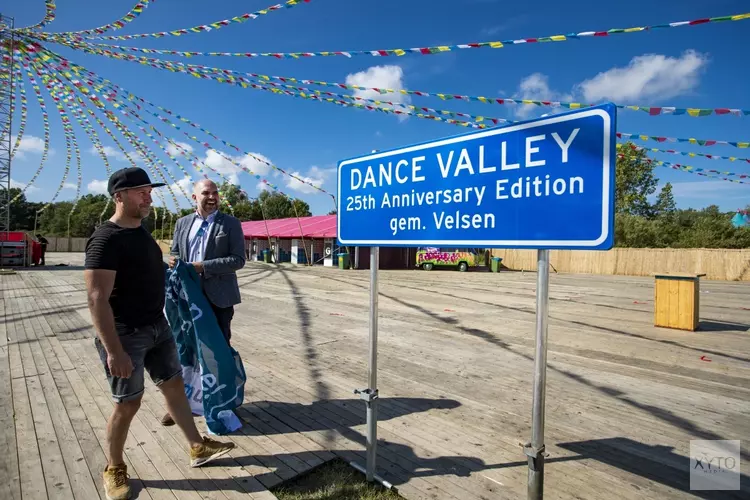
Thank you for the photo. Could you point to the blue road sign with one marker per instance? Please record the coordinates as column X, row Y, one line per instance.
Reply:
column 546, row 184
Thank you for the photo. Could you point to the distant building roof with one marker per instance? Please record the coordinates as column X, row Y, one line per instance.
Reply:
column 318, row 226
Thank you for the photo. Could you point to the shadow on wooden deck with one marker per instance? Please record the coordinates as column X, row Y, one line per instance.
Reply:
column 657, row 463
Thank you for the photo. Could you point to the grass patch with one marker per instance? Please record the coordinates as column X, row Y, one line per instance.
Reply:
column 335, row 480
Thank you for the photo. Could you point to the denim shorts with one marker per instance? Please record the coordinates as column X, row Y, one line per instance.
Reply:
column 151, row 347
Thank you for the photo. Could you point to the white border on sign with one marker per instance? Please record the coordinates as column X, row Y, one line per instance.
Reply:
column 528, row 243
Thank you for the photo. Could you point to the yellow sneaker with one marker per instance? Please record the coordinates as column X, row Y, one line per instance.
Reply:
column 207, row 451
column 116, row 485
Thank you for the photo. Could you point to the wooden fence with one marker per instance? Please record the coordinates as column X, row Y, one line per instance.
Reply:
column 63, row 244
column 718, row 264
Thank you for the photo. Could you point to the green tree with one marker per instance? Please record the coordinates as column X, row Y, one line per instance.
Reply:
column 22, row 211
column 665, row 205
column 634, row 181
column 277, row 206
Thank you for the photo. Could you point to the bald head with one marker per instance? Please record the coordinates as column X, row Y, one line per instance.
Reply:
column 206, row 196
column 204, row 184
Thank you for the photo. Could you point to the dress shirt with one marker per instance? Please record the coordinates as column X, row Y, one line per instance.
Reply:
column 198, row 237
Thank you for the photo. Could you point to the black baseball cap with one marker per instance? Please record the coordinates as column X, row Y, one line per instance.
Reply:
column 129, row 178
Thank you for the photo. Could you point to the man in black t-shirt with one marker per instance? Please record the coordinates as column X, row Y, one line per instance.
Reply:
column 125, row 280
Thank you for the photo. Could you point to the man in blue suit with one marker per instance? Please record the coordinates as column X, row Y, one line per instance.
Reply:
column 214, row 244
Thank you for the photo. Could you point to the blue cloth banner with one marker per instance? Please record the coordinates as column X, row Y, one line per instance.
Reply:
column 212, row 369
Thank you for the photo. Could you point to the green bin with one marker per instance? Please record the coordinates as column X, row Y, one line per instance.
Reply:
column 343, row 261
column 267, row 256
column 495, row 264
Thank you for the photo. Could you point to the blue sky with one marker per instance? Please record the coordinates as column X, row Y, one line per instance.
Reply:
column 700, row 66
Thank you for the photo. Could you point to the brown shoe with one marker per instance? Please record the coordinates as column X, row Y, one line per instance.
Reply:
column 116, row 485
column 207, row 451
column 167, row 420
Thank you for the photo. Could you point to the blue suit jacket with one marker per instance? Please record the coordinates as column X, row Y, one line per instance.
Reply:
column 224, row 256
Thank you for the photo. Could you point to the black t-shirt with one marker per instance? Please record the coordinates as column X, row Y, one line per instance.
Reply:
column 137, row 298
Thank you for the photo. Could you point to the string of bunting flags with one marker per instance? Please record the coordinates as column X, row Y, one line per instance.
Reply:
column 49, row 16
column 61, row 101
column 134, row 142
column 229, row 76
column 685, row 153
column 65, row 65
column 203, row 28
column 229, row 79
column 447, row 48
column 142, row 146
column 19, row 84
column 650, row 110
column 232, row 77
column 131, row 15
column 68, row 133
column 45, row 126
column 705, row 172
column 693, row 141
column 66, row 81
column 110, row 97
column 39, row 67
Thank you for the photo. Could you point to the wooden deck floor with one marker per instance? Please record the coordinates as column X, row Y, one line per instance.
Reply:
column 624, row 399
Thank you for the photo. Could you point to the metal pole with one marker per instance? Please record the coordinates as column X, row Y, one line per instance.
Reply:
column 372, row 376
column 535, row 450
column 7, row 108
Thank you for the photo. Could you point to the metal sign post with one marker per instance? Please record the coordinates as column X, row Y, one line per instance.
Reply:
column 371, row 396
column 543, row 184
column 535, row 450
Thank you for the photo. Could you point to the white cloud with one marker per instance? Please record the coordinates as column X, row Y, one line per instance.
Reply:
column 97, row 187
column 174, row 150
column 262, row 186
column 29, row 144
column 315, row 176
column 69, row 185
column 536, row 87
column 185, row 183
column 21, row 185
column 381, row 77
column 254, row 162
column 650, row 76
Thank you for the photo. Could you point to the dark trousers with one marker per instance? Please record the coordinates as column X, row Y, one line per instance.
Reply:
column 224, row 316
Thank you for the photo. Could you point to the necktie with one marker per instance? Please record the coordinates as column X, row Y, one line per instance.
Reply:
column 202, row 229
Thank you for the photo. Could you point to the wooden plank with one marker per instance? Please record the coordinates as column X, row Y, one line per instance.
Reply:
column 331, row 415
column 612, row 377
column 29, row 460
column 233, row 482
column 10, row 486
column 341, row 362
column 55, row 474
column 241, row 480
column 138, row 462
column 72, row 455
column 456, row 464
